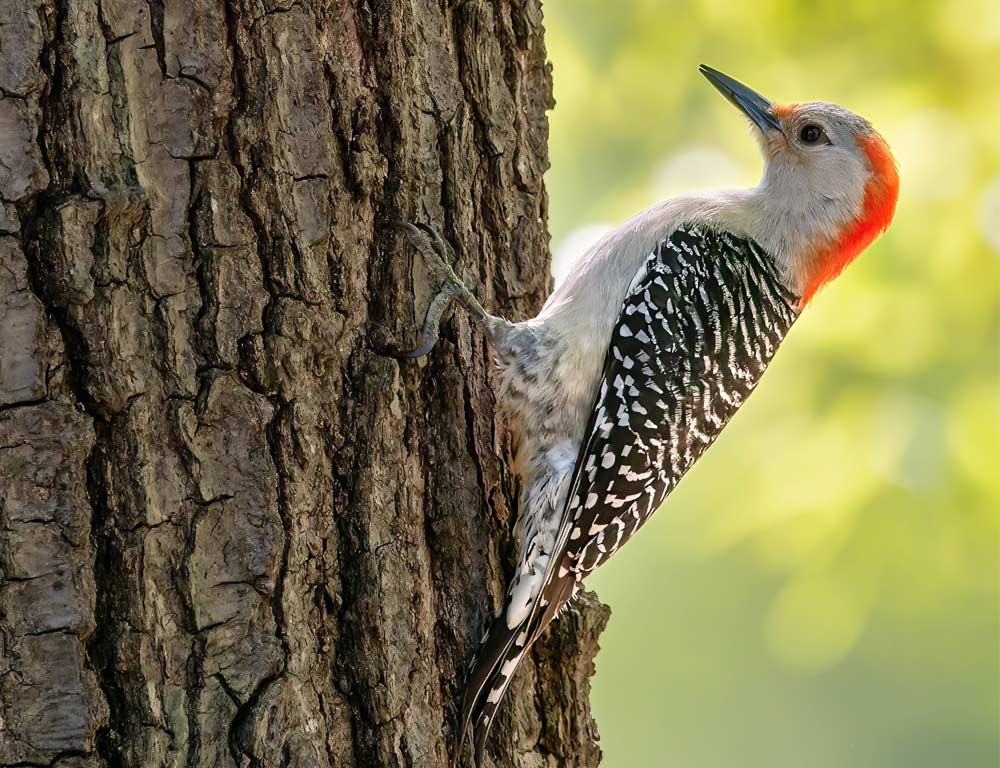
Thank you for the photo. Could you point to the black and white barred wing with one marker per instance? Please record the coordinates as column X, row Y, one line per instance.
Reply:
column 694, row 334
column 693, row 337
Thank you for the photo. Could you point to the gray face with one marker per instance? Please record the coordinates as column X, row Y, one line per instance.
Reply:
column 812, row 151
column 817, row 168
column 819, row 135
column 840, row 126
column 814, row 157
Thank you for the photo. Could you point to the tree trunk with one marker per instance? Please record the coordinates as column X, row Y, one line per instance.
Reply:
column 235, row 532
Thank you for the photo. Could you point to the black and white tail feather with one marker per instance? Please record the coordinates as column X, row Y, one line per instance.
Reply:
column 498, row 657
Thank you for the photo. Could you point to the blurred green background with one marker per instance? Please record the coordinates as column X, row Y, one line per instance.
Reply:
column 822, row 589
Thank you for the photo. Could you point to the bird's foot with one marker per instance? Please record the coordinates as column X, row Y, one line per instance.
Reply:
column 438, row 253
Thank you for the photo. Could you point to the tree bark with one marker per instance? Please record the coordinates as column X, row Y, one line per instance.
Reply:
column 235, row 532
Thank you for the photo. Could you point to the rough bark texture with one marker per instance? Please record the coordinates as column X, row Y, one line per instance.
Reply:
column 234, row 531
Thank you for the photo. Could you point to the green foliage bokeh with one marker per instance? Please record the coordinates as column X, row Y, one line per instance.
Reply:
column 822, row 589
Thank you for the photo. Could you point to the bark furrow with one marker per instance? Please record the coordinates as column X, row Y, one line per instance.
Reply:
column 234, row 531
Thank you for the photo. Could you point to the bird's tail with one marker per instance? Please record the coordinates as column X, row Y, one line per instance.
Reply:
column 498, row 657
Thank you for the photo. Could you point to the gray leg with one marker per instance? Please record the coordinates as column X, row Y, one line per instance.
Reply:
column 437, row 253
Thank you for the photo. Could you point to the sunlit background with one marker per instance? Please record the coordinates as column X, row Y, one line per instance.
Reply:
column 822, row 589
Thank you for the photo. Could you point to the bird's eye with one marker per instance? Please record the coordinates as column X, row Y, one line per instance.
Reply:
column 811, row 134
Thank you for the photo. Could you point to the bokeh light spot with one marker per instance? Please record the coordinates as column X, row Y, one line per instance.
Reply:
column 989, row 214
column 935, row 154
column 696, row 169
column 815, row 622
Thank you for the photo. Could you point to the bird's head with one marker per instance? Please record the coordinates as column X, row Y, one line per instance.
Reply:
column 829, row 185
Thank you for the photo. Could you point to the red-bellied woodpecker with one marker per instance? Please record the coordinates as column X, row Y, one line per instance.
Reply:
column 642, row 355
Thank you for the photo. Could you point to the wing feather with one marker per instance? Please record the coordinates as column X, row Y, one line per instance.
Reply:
column 693, row 337
column 696, row 329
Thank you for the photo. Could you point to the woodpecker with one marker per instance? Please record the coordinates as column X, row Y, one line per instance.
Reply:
column 641, row 356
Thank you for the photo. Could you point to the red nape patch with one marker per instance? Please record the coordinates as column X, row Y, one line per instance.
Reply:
column 877, row 209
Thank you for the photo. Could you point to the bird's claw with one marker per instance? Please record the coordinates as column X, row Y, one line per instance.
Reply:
column 439, row 255
column 437, row 252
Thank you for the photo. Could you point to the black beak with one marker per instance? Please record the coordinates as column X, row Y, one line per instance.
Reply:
column 753, row 105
